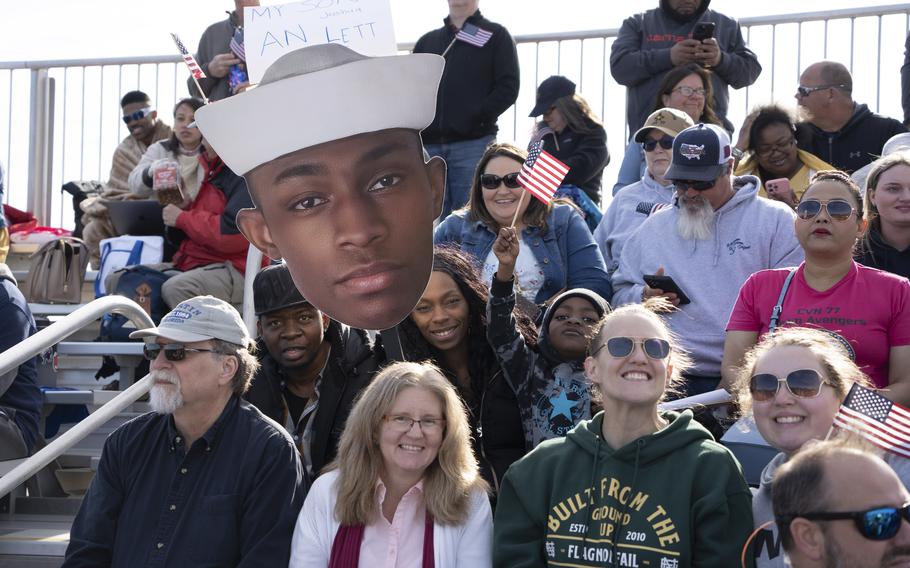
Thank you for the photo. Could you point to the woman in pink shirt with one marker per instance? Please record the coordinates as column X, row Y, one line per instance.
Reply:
column 405, row 490
column 866, row 310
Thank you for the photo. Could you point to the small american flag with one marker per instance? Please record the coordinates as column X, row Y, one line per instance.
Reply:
column 237, row 44
column 884, row 423
column 188, row 59
column 542, row 173
column 472, row 34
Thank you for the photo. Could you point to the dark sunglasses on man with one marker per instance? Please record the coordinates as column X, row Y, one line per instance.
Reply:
column 172, row 351
column 880, row 523
column 492, row 181
column 138, row 115
column 686, row 185
column 650, row 144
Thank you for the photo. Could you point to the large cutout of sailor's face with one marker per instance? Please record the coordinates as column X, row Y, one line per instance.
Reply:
column 353, row 220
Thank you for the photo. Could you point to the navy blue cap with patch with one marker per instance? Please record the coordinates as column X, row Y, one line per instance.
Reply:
column 700, row 153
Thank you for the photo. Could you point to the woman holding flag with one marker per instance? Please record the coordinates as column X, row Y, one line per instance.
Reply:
column 793, row 383
column 557, row 249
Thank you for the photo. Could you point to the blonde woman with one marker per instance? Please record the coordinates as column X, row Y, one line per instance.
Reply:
column 405, row 490
column 792, row 382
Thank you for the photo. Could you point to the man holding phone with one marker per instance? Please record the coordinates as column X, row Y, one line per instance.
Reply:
column 704, row 248
column 679, row 32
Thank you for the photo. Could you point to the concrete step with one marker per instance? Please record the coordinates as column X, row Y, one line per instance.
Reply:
column 35, row 538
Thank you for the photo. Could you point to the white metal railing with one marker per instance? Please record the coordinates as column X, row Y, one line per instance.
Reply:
column 63, row 119
column 18, row 354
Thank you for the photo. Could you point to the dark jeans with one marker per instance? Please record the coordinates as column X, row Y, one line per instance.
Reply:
column 461, row 161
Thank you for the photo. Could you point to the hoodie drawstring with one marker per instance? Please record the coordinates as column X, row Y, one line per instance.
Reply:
column 618, row 524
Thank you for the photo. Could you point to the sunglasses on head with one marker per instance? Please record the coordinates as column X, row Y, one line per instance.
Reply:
column 686, row 185
column 804, row 383
column 838, row 209
column 650, row 144
column 492, row 181
column 138, row 115
column 881, row 523
column 619, row 347
column 172, row 351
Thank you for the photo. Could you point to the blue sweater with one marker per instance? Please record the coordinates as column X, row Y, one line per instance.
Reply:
column 566, row 253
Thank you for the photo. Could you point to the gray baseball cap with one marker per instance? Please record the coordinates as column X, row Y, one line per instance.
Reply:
column 200, row 319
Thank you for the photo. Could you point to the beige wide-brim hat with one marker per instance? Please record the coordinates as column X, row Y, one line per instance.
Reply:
column 318, row 94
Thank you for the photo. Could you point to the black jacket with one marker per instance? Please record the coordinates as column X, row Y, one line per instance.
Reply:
column 478, row 83
column 350, row 367
column 497, row 437
column 874, row 252
column 585, row 154
column 858, row 143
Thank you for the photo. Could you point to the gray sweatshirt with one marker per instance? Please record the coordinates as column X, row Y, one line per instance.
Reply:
column 750, row 233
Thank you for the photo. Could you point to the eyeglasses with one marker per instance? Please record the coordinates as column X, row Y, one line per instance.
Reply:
column 767, row 150
column 620, row 347
column 689, row 91
column 138, row 115
column 806, row 91
column 804, row 383
column 492, row 181
column 838, row 209
column 401, row 423
column 881, row 523
column 686, row 185
column 650, row 144
column 172, row 351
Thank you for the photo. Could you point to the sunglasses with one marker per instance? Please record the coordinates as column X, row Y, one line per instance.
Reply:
column 138, row 115
column 492, row 181
column 686, row 185
column 806, row 91
column 838, row 209
column 619, row 347
column 804, row 383
column 881, row 523
column 650, row 144
column 172, row 351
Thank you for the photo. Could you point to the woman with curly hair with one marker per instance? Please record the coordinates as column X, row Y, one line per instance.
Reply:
column 405, row 482
column 448, row 327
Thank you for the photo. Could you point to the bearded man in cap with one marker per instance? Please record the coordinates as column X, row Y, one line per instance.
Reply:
column 329, row 144
column 312, row 368
column 716, row 235
column 205, row 479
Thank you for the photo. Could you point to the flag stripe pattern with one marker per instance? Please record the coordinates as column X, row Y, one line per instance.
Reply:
column 542, row 174
column 469, row 33
column 874, row 417
column 188, row 58
column 237, row 45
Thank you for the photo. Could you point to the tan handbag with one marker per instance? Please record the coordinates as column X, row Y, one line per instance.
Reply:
column 57, row 271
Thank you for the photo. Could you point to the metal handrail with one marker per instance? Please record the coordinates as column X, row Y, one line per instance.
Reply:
column 18, row 354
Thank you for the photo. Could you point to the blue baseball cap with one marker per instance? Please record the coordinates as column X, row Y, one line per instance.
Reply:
column 700, row 153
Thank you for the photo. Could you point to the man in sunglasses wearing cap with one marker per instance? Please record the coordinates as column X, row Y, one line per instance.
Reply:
column 718, row 233
column 205, row 479
column 838, row 506
column 312, row 367
column 141, row 120
column 329, row 144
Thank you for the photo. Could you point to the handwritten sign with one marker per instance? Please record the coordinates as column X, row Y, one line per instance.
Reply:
column 271, row 31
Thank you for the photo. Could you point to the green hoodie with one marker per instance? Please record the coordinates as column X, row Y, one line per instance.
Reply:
column 676, row 498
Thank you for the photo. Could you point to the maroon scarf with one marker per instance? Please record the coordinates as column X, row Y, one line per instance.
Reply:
column 346, row 546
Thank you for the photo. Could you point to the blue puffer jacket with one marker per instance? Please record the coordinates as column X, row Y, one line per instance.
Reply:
column 567, row 252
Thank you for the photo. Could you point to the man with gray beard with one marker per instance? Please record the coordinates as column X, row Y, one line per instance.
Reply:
column 825, row 522
column 718, row 233
column 205, row 479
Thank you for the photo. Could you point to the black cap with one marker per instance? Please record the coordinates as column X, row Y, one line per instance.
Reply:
column 273, row 289
column 552, row 88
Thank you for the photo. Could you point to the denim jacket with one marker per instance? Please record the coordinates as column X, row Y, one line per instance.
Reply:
column 567, row 252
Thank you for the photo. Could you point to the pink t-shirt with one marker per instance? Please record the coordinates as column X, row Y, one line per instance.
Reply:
column 868, row 308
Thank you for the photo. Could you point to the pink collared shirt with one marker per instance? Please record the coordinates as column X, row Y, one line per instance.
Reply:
column 398, row 544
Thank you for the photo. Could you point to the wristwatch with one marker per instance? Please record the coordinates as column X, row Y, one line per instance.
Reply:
column 737, row 153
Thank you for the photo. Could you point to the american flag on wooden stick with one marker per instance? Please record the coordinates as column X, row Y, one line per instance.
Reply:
column 470, row 33
column 542, row 174
column 188, row 58
column 877, row 419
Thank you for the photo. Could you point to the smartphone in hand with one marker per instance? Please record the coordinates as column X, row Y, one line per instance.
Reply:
column 703, row 31
column 668, row 285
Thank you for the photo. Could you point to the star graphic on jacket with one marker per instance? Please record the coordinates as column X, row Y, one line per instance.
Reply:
column 562, row 405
